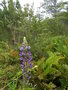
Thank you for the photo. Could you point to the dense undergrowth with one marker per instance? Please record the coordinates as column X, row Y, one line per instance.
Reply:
column 50, row 65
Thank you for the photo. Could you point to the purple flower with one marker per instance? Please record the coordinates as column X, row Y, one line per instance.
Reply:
column 23, row 62
column 29, row 62
column 21, row 58
column 30, row 58
column 29, row 47
column 23, row 71
column 22, row 66
column 21, row 48
column 29, row 53
column 20, row 54
column 25, row 57
column 26, row 47
column 30, row 65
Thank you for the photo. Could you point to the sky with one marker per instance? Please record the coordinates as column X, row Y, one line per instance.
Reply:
column 37, row 3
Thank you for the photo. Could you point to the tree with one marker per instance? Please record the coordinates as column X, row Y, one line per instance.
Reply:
column 50, row 6
column 18, row 6
column 53, row 7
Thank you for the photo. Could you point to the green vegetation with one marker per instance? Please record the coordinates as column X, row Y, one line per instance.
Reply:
column 48, row 39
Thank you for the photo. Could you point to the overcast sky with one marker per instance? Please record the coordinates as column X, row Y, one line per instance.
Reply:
column 36, row 3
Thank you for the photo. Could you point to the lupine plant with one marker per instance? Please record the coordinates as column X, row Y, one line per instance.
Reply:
column 25, row 58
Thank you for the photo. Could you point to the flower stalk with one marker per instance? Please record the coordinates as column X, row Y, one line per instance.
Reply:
column 25, row 58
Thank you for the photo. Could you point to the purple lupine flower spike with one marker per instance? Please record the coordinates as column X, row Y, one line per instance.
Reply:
column 25, row 57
